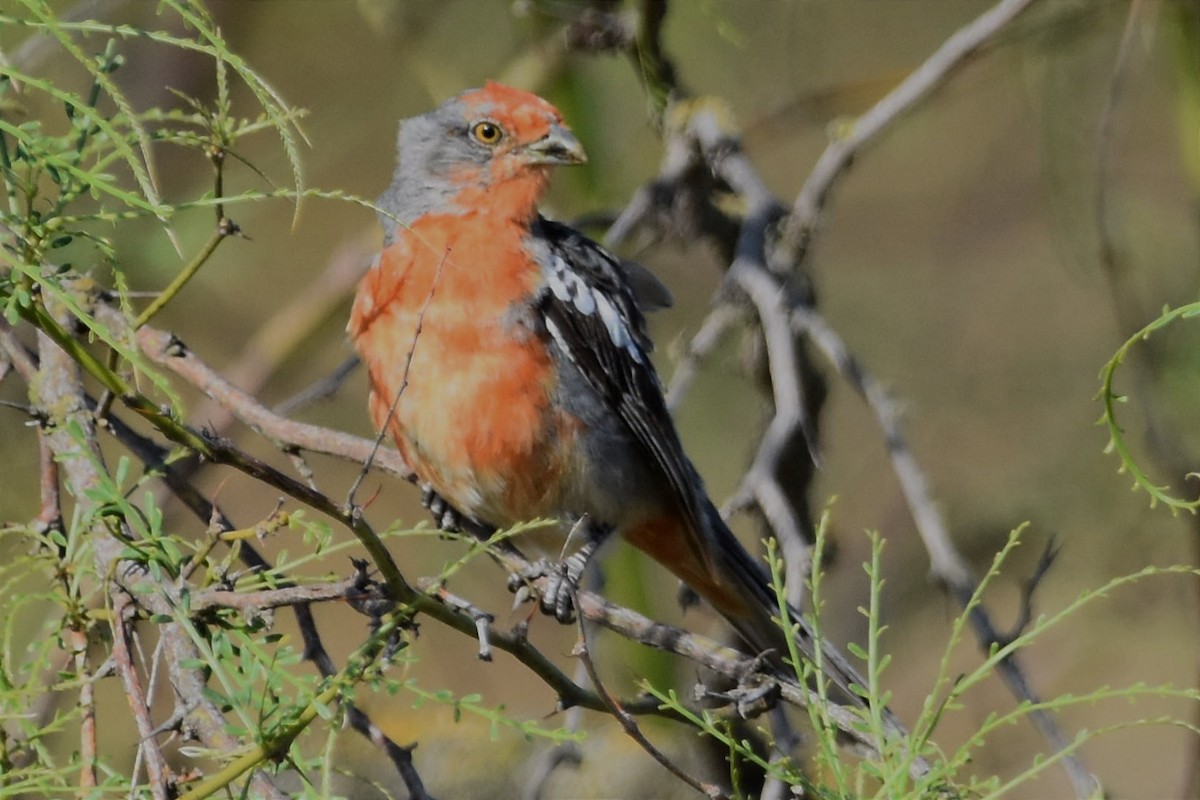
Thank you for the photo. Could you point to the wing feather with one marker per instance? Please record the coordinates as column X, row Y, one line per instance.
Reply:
column 592, row 315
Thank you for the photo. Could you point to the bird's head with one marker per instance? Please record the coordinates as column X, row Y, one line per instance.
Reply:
column 485, row 150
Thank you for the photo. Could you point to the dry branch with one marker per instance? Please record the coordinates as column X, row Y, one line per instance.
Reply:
column 62, row 398
column 768, row 267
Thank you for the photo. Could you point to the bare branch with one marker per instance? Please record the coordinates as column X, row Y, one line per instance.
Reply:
column 76, row 639
column 254, row 603
column 61, row 390
column 157, row 770
column 719, row 320
column 782, row 312
column 630, row 725
column 947, row 565
column 164, row 349
column 841, row 152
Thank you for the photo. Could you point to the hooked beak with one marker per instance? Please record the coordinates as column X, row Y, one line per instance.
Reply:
column 559, row 146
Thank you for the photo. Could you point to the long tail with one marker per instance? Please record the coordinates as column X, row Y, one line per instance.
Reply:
column 741, row 591
column 755, row 613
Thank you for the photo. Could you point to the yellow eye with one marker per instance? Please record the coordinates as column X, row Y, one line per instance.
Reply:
column 486, row 132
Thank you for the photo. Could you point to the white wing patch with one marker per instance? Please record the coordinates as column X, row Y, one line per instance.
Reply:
column 617, row 330
column 556, row 334
column 570, row 288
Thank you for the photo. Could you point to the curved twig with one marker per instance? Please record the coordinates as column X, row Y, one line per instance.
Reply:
column 841, row 152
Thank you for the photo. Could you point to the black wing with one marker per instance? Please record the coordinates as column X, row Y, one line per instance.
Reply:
column 591, row 313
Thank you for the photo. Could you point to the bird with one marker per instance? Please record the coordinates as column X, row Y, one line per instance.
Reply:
column 508, row 357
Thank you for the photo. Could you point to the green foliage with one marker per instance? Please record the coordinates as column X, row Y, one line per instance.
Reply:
column 61, row 187
column 66, row 181
column 256, row 677
column 1116, row 434
column 888, row 772
column 69, row 176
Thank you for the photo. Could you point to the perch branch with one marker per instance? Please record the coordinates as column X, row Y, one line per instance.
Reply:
column 704, row 136
column 157, row 770
column 60, row 389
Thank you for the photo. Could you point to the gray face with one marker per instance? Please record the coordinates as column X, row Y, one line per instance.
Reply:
column 431, row 147
column 477, row 139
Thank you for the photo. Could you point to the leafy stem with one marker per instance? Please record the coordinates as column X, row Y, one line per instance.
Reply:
column 1116, row 435
column 225, row 228
column 277, row 745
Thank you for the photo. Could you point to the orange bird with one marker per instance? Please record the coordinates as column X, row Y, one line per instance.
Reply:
column 509, row 359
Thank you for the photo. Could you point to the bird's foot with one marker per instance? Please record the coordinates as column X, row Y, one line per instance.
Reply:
column 369, row 597
column 558, row 583
column 444, row 515
column 755, row 694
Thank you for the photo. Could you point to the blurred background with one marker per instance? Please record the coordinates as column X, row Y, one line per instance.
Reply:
column 960, row 259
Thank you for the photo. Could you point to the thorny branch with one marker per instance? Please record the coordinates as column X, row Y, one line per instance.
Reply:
column 767, row 247
column 169, row 352
column 768, row 267
column 60, row 388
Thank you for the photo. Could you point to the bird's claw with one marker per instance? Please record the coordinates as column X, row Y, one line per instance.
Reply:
column 754, row 695
column 444, row 515
column 556, row 597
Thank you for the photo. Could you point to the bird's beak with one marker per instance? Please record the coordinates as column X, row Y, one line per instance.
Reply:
column 559, row 146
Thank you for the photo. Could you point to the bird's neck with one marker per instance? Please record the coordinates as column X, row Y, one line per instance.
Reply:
column 511, row 197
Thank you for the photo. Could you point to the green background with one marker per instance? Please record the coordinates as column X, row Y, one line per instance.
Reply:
column 958, row 259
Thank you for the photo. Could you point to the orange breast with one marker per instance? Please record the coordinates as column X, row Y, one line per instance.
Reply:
column 437, row 321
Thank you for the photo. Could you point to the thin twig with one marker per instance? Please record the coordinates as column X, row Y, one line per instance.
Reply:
column 50, row 515
column 322, row 389
column 78, row 640
column 650, row 60
column 399, row 755
column 567, row 753
column 385, row 426
column 20, row 357
column 157, row 770
column 164, row 349
column 629, row 724
column 947, row 564
column 225, row 228
column 842, row 151
column 718, row 322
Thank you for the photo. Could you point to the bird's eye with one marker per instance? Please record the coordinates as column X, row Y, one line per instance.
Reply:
column 488, row 133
